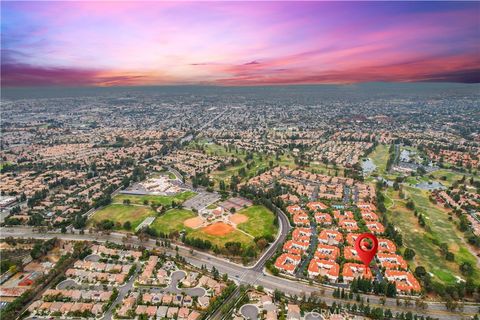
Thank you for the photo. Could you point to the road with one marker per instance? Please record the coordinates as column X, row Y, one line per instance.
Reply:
column 122, row 292
column 253, row 274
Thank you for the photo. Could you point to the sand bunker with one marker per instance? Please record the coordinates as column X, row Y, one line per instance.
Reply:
column 238, row 218
column 193, row 222
column 218, row 229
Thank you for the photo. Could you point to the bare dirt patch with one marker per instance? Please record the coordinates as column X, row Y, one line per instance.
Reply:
column 238, row 218
column 218, row 229
column 193, row 222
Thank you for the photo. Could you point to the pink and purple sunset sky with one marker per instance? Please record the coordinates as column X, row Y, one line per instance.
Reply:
column 82, row 43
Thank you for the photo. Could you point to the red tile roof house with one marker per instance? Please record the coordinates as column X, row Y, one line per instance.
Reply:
column 325, row 251
column 294, row 209
column 327, row 268
column 348, row 224
column 375, row 227
column 369, row 215
column 366, row 205
column 194, row 315
column 314, row 206
column 392, row 261
column 386, row 245
column 301, row 219
column 151, row 311
column 342, row 215
column 296, row 247
column 404, row 280
column 183, row 313
column 351, row 238
column 332, row 237
column 287, row 262
column 349, row 253
column 299, row 233
column 323, row 218
column 355, row 270
column 141, row 309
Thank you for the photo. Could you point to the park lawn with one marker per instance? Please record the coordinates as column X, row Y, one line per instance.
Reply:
column 172, row 220
column 166, row 173
column 451, row 176
column 425, row 242
column 415, row 237
column 442, row 229
column 120, row 213
column 260, row 221
column 219, row 241
column 379, row 157
column 154, row 199
column 327, row 169
column 415, row 180
column 260, row 162
column 218, row 150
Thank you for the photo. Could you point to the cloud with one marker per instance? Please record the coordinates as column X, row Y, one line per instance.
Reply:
column 91, row 43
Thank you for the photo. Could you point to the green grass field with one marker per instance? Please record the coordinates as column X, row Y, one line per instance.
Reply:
column 259, row 162
column 379, row 157
column 448, row 177
column 172, row 221
column 260, row 221
column 119, row 213
column 425, row 242
column 152, row 199
column 219, row 241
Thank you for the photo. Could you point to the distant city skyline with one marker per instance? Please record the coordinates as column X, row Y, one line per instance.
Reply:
column 240, row 43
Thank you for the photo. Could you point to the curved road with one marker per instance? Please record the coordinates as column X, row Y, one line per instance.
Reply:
column 254, row 275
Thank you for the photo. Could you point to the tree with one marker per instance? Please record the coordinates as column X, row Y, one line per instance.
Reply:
column 127, row 225
column 262, row 243
column 466, row 268
column 391, row 289
column 105, row 225
column 449, row 256
column 410, row 205
column 420, row 272
column 233, row 247
column 409, row 254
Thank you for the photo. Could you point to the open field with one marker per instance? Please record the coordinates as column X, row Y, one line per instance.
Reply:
column 172, row 220
column 259, row 161
column 120, row 213
column 426, row 242
column 168, row 174
column 448, row 177
column 379, row 157
column 153, row 199
column 220, row 240
column 260, row 221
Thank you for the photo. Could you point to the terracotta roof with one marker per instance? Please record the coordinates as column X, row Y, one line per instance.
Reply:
column 404, row 280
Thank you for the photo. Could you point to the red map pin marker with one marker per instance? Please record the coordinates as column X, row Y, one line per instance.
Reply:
column 366, row 254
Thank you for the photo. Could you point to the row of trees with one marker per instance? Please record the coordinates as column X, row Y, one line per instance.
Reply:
column 384, row 287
